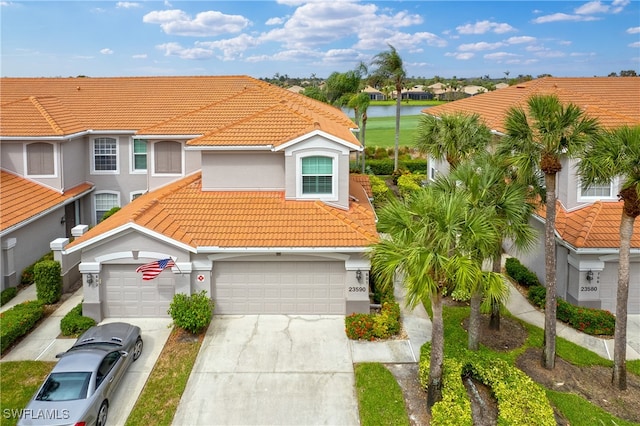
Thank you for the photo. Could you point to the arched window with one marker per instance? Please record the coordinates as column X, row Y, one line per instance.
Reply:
column 40, row 159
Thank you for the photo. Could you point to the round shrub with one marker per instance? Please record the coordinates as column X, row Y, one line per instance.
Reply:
column 359, row 326
column 48, row 281
column 191, row 313
column 7, row 294
column 74, row 324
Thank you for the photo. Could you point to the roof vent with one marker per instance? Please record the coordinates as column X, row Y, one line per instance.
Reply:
column 78, row 88
column 521, row 86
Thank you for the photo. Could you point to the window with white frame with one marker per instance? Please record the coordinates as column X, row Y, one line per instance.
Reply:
column 105, row 155
column 137, row 194
column 40, row 159
column 168, row 157
column 139, row 155
column 104, row 202
column 597, row 191
column 317, row 175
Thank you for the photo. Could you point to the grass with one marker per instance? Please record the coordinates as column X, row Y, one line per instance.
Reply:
column 381, row 131
column 158, row 401
column 380, row 399
column 19, row 380
column 579, row 411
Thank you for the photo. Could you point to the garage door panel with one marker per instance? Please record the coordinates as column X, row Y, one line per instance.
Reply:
column 125, row 294
column 279, row 287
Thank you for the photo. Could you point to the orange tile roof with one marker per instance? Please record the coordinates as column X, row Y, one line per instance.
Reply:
column 17, row 195
column 614, row 101
column 596, row 225
column 364, row 182
column 227, row 110
column 229, row 219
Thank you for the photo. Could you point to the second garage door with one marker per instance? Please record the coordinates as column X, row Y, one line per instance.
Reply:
column 279, row 287
column 127, row 295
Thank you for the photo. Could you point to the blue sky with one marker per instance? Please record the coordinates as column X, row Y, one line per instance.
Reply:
column 301, row 38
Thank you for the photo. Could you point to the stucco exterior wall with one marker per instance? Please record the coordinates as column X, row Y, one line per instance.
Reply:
column 250, row 170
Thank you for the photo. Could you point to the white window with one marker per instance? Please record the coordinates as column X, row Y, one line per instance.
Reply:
column 598, row 192
column 168, row 157
column 40, row 159
column 105, row 155
column 136, row 194
column 139, row 159
column 317, row 175
column 104, row 202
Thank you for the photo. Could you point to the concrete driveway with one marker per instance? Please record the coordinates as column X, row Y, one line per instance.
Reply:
column 272, row 370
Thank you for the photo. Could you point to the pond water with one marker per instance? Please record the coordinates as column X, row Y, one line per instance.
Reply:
column 388, row 110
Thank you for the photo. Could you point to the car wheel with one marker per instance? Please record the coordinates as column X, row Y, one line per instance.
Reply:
column 137, row 348
column 102, row 414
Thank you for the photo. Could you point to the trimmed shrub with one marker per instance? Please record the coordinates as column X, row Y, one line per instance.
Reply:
column 110, row 213
column 26, row 278
column 385, row 166
column 18, row 321
column 381, row 192
column 537, row 295
column 520, row 273
column 410, row 183
column 7, row 294
column 74, row 324
column 359, row 326
column 192, row 313
column 48, row 281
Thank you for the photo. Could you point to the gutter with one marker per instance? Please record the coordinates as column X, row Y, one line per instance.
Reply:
column 66, row 137
column 287, row 250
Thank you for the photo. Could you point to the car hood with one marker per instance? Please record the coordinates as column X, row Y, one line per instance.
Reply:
column 55, row 413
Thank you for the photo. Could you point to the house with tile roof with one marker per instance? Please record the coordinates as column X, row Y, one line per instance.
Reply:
column 588, row 218
column 245, row 185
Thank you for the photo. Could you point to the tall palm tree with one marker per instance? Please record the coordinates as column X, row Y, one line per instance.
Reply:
column 431, row 238
column 360, row 103
column 451, row 137
column 617, row 153
column 389, row 68
column 537, row 139
column 487, row 189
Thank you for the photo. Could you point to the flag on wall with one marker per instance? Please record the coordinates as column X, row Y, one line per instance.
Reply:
column 153, row 269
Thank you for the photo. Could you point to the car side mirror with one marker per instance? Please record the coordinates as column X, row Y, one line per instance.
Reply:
column 124, row 354
column 60, row 354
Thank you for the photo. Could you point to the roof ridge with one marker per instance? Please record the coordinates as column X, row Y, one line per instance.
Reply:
column 43, row 111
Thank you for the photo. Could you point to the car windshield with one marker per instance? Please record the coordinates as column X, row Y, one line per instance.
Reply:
column 65, row 387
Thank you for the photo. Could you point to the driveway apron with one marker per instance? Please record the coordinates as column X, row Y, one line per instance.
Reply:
column 272, row 370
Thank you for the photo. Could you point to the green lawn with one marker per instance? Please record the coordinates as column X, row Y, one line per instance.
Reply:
column 19, row 380
column 381, row 131
column 380, row 399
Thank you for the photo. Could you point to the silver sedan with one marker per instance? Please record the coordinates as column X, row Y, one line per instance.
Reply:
column 78, row 390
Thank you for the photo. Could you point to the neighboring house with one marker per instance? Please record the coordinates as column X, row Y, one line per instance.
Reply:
column 374, row 94
column 417, row 93
column 243, row 184
column 588, row 219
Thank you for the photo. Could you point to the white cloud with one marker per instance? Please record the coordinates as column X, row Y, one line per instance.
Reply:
column 209, row 23
column 483, row 45
column 232, row 48
column 127, row 5
column 482, row 27
column 274, row 21
column 461, row 56
column 499, row 56
column 592, row 7
column 175, row 49
column 633, row 30
column 559, row 17
column 635, row 45
column 106, row 51
column 619, row 5
column 520, row 40
column 550, row 54
column 140, row 56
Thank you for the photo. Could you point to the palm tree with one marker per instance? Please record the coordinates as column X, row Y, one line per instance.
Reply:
column 487, row 189
column 389, row 68
column 616, row 153
column 451, row 137
column 360, row 102
column 537, row 139
column 431, row 238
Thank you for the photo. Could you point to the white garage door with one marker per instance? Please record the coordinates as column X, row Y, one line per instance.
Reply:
column 125, row 294
column 279, row 287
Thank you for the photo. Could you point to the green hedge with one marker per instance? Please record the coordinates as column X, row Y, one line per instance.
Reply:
column 381, row 192
column 410, row 183
column 26, row 277
column 48, row 281
column 521, row 401
column 192, row 313
column 385, row 167
column 372, row 326
column 18, row 321
column 74, row 324
column 596, row 322
column 7, row 294
column 520, row 273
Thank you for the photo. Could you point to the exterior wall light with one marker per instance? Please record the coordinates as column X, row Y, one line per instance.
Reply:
column 589, row 275
column 359, row 275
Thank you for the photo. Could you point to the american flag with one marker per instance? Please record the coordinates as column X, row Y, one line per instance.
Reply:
column 153, row 269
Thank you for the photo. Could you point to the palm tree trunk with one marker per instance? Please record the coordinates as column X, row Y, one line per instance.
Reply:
column 619, row 378
column 549, row 353
column 494, row 321
column 363, row 140
column 436, row 358
column 397, row 140
column 474, row 320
